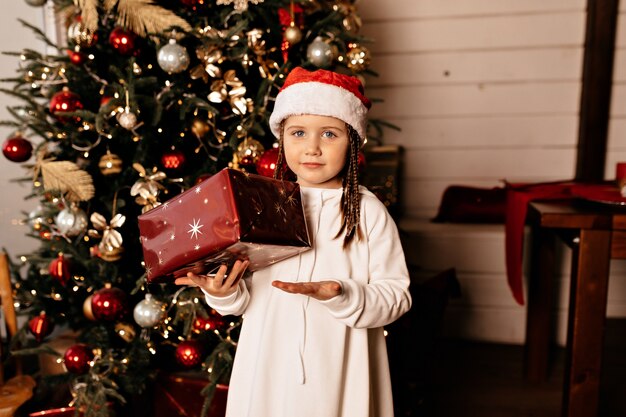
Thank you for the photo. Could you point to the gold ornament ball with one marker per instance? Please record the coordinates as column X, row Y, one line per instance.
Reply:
column 110, row 164
column 250, row 150
column 358, row 58
column 293, row 34
column 87, row 312
column 81, row 36
column 199, row 127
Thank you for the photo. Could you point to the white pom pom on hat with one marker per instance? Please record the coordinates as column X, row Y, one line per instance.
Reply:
column 323, row 93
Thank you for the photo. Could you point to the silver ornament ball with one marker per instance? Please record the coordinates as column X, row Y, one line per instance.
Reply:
column 149, row 312
column 173, row 58
column 320, row 53
column 127, row 119
column 293, row 35
column 72, row 221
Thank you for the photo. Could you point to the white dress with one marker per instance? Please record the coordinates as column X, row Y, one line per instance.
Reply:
column 300, row 357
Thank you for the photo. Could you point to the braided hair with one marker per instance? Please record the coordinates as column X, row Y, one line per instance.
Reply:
column 350, row 198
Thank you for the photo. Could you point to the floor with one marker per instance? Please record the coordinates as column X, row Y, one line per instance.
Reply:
column 485, row 380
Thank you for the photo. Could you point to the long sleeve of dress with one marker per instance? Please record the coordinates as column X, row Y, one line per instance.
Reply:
column 385, row 296
column 234, row 304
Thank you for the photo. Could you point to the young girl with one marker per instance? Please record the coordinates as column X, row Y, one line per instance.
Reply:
column 312, row 342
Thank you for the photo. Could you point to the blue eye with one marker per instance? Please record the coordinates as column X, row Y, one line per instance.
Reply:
column 298, row 133
column 328, row 134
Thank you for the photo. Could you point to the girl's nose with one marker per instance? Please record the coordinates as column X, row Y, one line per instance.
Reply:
column 313, row 147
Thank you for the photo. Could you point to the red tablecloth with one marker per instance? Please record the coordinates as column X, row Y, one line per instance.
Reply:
column 518, row 197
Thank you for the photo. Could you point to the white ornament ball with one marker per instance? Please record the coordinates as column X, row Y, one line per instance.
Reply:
column 127, row 119
column 320, row 53
column 173, row 58
column 72, row 221
column 149, row 312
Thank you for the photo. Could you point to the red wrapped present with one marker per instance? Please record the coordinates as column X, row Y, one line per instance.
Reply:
column 178, row 395
column 232, row 215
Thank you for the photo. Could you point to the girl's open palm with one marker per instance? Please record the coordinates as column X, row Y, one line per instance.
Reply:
column 322, row 290
column 222, row 284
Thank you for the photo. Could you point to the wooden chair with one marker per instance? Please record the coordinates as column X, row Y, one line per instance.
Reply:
column 17, row 390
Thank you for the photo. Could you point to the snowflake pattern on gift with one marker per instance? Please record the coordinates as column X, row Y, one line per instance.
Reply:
column 195, row 229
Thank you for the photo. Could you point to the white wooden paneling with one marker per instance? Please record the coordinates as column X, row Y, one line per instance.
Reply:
column 498, row 132
column 478, row 67
column 487, row 163
column 476, row 100
column 484, row 33
column 427, row 9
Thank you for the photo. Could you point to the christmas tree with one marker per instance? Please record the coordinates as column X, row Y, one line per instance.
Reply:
column 145, row 99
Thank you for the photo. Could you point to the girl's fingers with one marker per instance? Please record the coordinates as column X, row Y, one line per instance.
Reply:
column 236, row 273
column 184, row 281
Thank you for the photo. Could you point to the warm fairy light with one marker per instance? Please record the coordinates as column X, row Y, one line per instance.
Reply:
column 239, row 128
column 56, row 296
column 149, row 66
column 30, row 73
column 166, row 334
column 23, row 57
column 75, row 288
column 16, row 304
column 182, row 134
column 217, row 332
column 37, row 184
column 195, row 300
column 44, row 76
column 136, row 138
column 385, row 333
column 91, row 56
column 167, row 83
column 125, row 360
column 209, row 370
column 86, row 238
column 23, row 258
column 33, row 292
column 160, row 130
column 33, row 85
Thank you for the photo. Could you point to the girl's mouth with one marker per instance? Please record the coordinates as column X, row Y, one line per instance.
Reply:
column 311, row 164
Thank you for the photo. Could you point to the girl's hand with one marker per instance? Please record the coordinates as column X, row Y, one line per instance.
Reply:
column 322, row 290
column 221, row 285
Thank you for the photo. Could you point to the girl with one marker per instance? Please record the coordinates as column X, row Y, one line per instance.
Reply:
column 312, row 340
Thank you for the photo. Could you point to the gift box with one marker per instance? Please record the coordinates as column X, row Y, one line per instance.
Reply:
column 232, row 215
column 180, row 395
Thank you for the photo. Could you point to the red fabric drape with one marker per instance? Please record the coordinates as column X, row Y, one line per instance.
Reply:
column 518, row 197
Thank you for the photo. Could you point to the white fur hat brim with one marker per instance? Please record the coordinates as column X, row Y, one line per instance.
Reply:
column 321, row 99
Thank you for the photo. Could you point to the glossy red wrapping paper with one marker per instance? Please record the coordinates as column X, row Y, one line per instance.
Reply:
column 232, row 215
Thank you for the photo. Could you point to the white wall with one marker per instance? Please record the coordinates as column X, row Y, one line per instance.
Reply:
column 483, row 91
column 14, row 37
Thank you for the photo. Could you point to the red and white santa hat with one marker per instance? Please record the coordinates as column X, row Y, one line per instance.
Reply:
column 323, row 93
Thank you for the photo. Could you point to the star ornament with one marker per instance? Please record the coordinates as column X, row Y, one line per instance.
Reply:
column 195, row 229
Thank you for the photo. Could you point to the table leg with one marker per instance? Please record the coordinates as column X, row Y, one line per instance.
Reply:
column 540, row 302
column 586, row 321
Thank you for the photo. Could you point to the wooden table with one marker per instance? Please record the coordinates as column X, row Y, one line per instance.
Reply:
column 596, row 234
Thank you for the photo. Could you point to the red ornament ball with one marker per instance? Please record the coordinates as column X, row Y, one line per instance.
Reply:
column 266, row 164
column 77, row 358
column 205, row 324
column 40, row 326
column 123, row 41
column 77, row 58
column 60, row 269
column 173, row 159
column 189, row 353
column 65, row 101
column 17, row 149
column 109, row 304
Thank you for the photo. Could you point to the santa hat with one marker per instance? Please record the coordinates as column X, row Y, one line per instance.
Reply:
column 323, row 93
